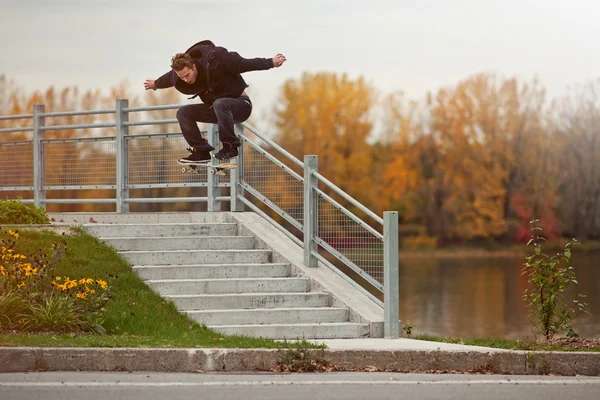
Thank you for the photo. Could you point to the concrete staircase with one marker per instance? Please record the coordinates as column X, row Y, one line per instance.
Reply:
column 221, row 280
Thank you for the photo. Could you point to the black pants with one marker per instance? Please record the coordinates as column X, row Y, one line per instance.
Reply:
column 225, row 112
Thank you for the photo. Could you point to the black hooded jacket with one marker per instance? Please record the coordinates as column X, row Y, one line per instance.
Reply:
column 219, row 72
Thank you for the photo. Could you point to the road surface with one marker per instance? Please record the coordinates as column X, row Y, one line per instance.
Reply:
column 266, row 386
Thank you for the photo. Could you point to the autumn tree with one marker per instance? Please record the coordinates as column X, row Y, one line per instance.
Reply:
column 461, row 159
column 576, row 124
column 330, row 115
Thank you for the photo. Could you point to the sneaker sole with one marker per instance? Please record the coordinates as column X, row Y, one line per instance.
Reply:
column 186, row 162
column 225, row 159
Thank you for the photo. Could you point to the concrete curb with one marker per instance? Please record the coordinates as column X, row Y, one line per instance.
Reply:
column 23, row 359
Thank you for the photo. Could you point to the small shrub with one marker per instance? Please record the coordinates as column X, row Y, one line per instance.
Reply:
column 12, row 307
column 550, row 278
column 54, row 313
column 407, row 329
column 14, row 212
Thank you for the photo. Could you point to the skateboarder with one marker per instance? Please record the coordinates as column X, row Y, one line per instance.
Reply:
column 214, row 74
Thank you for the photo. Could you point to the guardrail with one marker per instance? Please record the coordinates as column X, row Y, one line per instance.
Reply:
column 270, row 181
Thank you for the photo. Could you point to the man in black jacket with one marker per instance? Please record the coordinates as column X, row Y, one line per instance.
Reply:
column 214, row 74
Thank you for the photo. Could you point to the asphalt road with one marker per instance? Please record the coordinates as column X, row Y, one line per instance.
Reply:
column 266, row 386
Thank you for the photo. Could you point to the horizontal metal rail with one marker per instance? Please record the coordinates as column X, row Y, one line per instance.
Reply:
column 78, row 201
column 272, row 205
column 156, row 122
column 349, row 214
column 271, row 220
column 27, row 142
column 79, row 126
column 156, row 136
column 18, row 116
column 348, row 197
column 74, row 113
column 170, row 185
column 82, row 140
column 172, row 199
column 14, row 188
column 5, row 130
column 84, row 187
column 153, row 108
column 274, row 145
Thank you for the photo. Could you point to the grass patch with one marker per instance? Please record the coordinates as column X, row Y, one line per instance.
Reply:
column 135, row 315
column 510, row 344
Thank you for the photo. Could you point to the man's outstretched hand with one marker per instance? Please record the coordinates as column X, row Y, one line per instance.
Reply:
column 278, row 60
column 149, row 84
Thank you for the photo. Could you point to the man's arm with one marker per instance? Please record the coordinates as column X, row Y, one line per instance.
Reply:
column 237, row 64
column 165, row 81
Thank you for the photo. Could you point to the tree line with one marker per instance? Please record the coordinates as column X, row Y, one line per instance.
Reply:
column 476, row 160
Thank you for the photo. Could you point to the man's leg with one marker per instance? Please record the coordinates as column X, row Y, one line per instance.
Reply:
column 187, row 117
column 229, row 112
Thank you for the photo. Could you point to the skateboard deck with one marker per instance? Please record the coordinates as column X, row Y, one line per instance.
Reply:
column 218, row 169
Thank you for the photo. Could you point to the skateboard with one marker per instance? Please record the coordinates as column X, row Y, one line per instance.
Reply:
column 217, row 169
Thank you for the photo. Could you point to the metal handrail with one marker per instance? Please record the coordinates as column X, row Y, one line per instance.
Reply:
column 313, row 184
column 18, row 116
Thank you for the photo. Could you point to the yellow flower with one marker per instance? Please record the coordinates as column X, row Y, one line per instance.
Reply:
column 82, row 281
column 58, row 278
column 88, row 281
column 81, row 296
column 102, row 283
column 20, row 285
column 13, row 234
column 70, row 283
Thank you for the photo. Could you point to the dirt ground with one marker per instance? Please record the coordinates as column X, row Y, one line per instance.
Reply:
column 575, row 343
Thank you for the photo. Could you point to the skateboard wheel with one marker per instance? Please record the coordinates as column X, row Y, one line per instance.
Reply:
column 183, row 169
column 212, row 171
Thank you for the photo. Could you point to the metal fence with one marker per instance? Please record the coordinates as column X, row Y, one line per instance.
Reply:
column 288, row 192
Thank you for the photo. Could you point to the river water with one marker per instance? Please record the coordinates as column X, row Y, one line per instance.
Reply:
column 482, row 296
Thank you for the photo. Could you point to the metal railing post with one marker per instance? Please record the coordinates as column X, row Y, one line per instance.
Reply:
column 237, row 175
column 391, row 284
column 311, row 163
column 213, row 190
column 122, row 161
column 39, row 161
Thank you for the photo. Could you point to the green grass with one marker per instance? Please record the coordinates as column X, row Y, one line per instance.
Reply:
column 135, row 316
column 507, row 344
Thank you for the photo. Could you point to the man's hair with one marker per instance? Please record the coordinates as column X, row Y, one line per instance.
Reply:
column 181, row 60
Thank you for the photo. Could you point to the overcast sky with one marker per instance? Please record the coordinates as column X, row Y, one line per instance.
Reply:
column 409, row 45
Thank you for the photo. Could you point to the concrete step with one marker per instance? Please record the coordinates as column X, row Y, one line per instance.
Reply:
column 223, row 286
column 212, row 271
column 180, row 243
column 161, row 230
column 298, row 315
column 175, row 257
column 249, row 300
column 335, row 330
